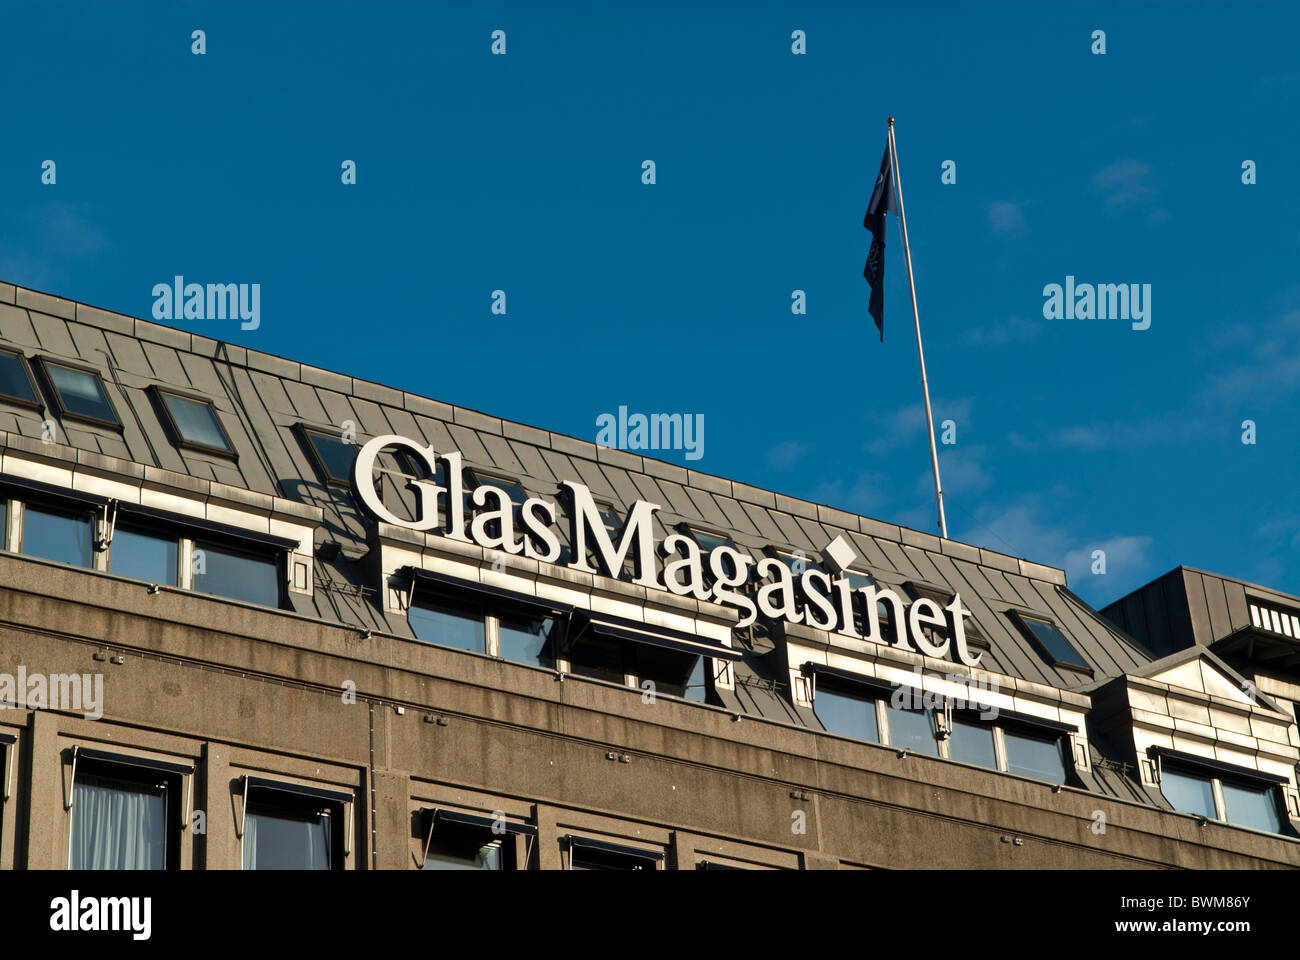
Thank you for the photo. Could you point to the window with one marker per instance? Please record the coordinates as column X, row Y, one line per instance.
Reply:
column 513, row 491
column 610, row 648
column 527, row 638
column 79, row 393
column 587, row 854
column 972, row 743
column 610, row 518
column 1188, row 793
column 912, row 730
column 16, row 383
column 239, row 574
column 697, row 687
column 845, row 714
column 1251, row 806
column 459, row 841
column 709, row 541
column 599, row 658
column 287, row 827
column 194, row 423
column 857, row 580
column 1235, row 798
column 54, row 533
column 1037, row 757
column 126, row 812
column 466, row 850
column 333, row 457
column 138, row 553
column 449, row 622
column 1051, row 641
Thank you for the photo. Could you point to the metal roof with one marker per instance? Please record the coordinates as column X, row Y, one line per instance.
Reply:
column 260, row 399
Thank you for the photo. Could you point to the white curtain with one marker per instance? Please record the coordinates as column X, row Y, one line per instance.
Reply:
column 286, row 842
column 117, row 825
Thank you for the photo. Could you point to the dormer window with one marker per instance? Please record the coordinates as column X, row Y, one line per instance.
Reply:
column 1051, row 643
column 193, row 423
column 79, row 393
column 333, row 456
column 16, row 383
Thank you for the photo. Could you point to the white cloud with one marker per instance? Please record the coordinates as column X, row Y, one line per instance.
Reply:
column 1125, row 183
column 1007, row 218
column 786, row 454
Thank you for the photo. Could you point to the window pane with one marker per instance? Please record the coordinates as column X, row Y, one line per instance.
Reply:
column 448, row 623
column 972, row 743
column 463, row 855
column 58, row 535
column 196, row 422
column 228, row 572
column 4, row 524
column 1251, row 806
column 709, row 542
column 1035, row 757
column 13, row 378
column 697, row 684
column 1188, row 793
column 81, row 393
column 527, row 639
column 278, row 839
column 911, row 729
column 598, row 658
column 848, row 716
column 336, row 455
column 117, row 824
column 144, row 556
column 1052, row 638
column 668, row 670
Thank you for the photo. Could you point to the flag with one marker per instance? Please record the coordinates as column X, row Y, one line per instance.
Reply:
column 883, row 200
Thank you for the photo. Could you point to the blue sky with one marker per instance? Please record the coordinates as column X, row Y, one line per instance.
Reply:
column 523, row 172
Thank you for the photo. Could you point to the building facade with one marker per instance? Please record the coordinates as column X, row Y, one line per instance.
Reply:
column 255, row 614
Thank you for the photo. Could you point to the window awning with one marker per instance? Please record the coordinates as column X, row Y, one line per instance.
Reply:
column 199, row 525
column 636, row 631
column 586, row 843
column 874, row 684
column 1209, row 765
column 457, row 585
column 52, row 491
column 8, row 738
column 455, row 817
column 279, row 786
column 143, row 763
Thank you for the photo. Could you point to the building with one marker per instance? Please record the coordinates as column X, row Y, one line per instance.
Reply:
column 256, row 614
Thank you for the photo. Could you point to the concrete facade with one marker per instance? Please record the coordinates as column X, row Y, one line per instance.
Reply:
column 333, row 691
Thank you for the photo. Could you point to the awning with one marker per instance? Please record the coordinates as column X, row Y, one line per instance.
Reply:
column 585, row 843
column 636, row 631
column 315, row 793
column 52, row 491
column 200, row 525
column 455, row 817
column 457, row 585
column 848, row 676
column 1230, row 770
column 144, row 763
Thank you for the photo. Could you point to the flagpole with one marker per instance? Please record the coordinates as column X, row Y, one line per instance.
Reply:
column 925, row 385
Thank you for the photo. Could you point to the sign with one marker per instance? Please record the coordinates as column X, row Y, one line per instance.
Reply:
column 677, row 564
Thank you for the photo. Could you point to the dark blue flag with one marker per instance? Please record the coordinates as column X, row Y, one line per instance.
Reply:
column 883, row 200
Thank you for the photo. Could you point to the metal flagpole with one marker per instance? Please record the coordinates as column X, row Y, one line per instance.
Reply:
column 925, row 385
